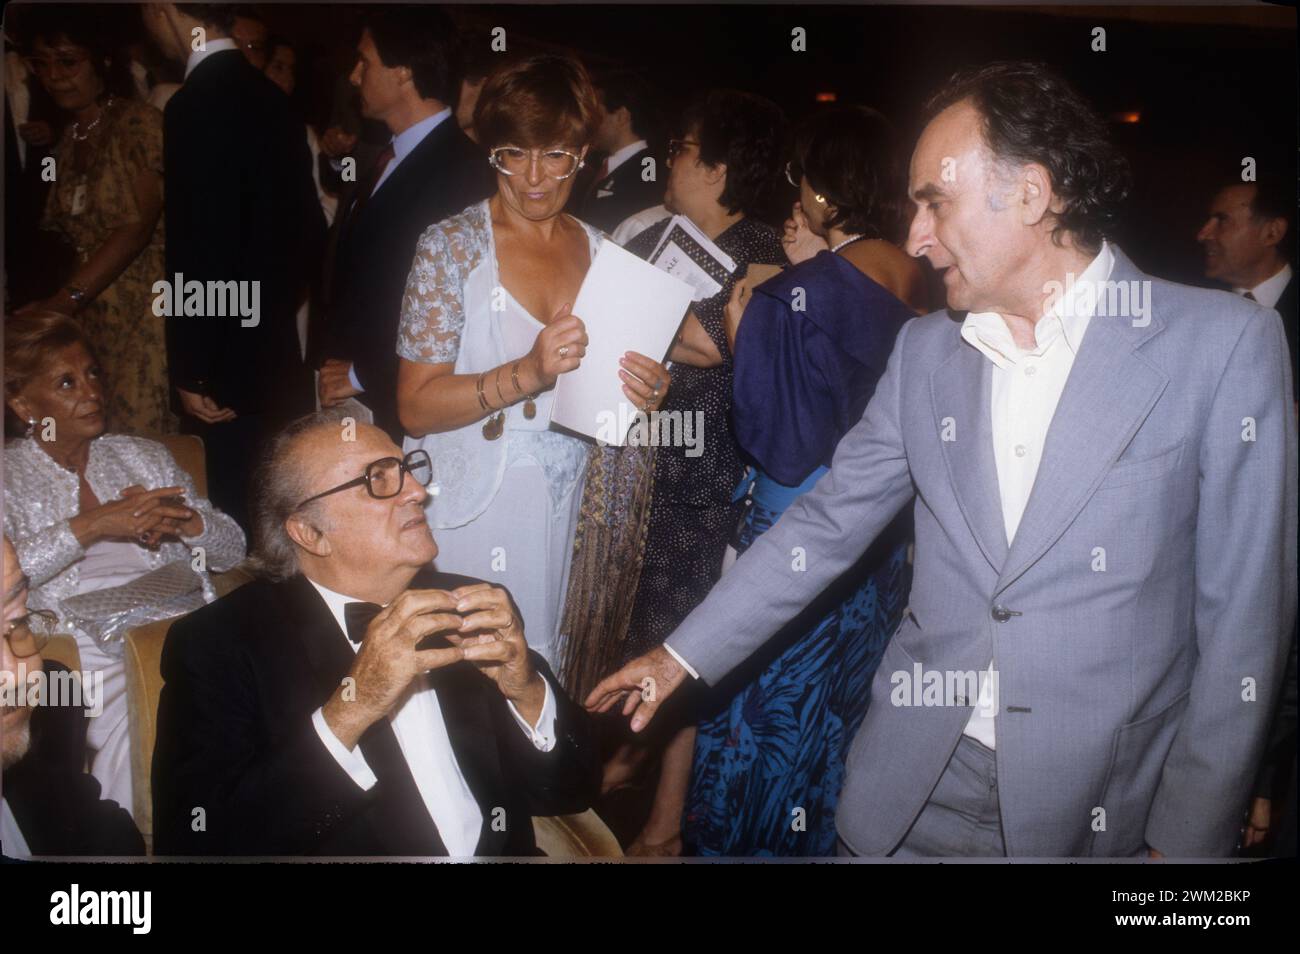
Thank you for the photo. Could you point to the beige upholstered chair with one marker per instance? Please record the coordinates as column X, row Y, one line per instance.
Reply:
column 576, row 836
column 62, row 648
column 187, row 451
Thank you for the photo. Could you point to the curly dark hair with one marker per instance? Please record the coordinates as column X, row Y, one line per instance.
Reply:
column 850, row 155
column 746, row 132
column 86, row 26
column 1031, row 114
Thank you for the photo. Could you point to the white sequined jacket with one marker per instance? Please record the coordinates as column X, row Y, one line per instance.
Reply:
column 41, row 497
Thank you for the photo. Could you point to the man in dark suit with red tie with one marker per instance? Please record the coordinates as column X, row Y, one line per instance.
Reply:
column 354, row 701
column 406, row 75
column 628, row 180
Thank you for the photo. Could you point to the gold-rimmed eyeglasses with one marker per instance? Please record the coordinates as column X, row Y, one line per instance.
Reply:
column 22, row 640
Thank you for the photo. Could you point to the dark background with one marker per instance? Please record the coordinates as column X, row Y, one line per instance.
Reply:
column 1207, row 85
column 1210, row 85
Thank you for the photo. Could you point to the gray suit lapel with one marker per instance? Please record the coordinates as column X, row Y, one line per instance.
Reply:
column 961, row 389
column 1110, row 391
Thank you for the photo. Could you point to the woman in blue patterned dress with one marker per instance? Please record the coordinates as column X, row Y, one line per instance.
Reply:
column 813, row 342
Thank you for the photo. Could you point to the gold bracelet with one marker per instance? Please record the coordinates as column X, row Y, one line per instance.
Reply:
column 496, row 380
column 514, row 377
column 478, row 386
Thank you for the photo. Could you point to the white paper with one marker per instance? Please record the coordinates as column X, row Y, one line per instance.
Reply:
column 626, row 305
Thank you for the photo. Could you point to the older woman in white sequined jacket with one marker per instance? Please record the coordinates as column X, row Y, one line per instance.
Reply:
column 87, row 510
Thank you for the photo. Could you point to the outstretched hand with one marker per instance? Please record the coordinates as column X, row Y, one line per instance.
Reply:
column 643, row 685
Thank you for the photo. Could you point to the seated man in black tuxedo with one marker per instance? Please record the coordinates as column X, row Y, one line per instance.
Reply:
column 300, row 717
column 51, row 805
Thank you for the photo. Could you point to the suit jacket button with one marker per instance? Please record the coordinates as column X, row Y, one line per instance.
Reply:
column 1001, row 613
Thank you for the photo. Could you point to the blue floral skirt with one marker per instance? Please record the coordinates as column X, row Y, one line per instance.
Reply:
column 769, row 766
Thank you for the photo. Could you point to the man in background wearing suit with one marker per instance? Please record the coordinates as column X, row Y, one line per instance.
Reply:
column 619, row 187
column 354, row 701
column 240, row 207
column 1104, row 472
column 51, row 804
column 1249, row 242
column 406, row 75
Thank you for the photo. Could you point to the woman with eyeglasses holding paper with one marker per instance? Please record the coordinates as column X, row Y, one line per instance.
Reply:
column 485, row 333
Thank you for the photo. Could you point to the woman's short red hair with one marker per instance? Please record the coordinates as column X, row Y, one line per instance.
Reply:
column 539, row 101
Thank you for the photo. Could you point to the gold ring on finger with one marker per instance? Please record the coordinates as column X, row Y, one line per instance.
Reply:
column 563, row 351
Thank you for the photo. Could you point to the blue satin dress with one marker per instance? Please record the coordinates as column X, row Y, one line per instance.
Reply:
column 769, row 763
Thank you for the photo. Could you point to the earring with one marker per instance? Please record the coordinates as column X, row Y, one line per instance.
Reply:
column 820, row 198
column 31, row 427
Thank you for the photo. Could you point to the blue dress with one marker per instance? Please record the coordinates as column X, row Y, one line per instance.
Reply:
column 769, row 763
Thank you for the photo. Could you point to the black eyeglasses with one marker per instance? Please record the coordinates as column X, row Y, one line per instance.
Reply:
column 678, row 146
column 385, row 478
column 67, row 62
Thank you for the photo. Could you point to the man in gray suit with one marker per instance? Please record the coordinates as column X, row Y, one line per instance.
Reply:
column 1104, row 473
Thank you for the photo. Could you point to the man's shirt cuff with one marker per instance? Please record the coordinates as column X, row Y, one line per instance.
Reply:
column 352, row 377
column 353, row 762
column 682, row 662
column 542, row 734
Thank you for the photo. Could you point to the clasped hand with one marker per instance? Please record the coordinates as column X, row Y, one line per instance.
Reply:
column 480, row 626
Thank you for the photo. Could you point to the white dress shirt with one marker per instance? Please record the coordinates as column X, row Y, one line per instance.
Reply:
column 404, row 144
column 11, row 836
column 1269, row 290
column 211, row 46
column 422, row 736
column 1026, row 388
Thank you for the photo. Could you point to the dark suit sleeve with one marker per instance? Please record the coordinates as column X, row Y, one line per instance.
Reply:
column 56, row 803
column 257, row 796
column 565, row 780
column 202, row 216
column 1280, row 750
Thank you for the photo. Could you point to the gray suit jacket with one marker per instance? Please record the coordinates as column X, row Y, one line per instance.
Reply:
column 1135, row 693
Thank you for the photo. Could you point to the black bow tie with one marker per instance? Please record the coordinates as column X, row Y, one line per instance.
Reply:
column 358, row 617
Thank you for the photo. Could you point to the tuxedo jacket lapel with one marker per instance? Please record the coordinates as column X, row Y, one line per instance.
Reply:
column 402, row 824
column 466, row 711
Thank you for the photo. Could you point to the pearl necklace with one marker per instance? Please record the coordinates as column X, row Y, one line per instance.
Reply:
column 848, row 241
column 78, row 135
